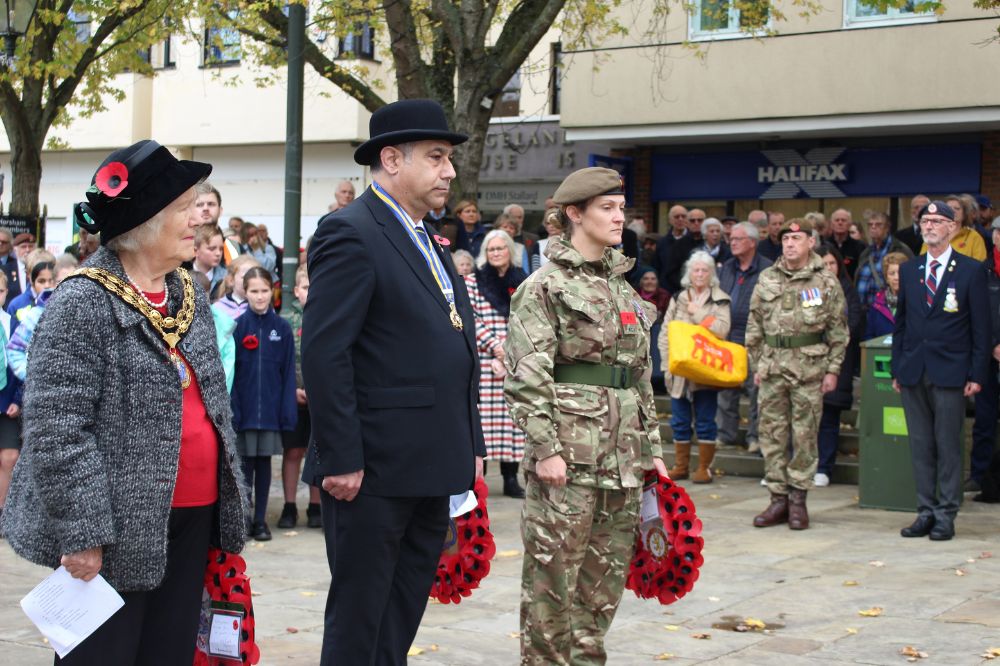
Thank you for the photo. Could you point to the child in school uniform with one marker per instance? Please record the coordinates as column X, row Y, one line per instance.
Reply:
column 233, row 301
column 263, row 396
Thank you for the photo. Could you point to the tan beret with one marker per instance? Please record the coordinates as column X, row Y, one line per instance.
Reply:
column 796, row 224
column 586, row 183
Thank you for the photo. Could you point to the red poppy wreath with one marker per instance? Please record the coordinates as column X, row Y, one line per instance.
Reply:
column 112, row 179
column 468, row 549
column 251, row 342
column 226, row 580
column 669, row 544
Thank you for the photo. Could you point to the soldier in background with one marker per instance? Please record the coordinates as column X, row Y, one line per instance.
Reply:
column 796, row 338
column 578, row 385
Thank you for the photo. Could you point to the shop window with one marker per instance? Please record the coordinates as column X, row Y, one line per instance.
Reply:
column 555, row 79
column 358, row 44
column 721, row 19
column 862, row 13
column 222, row 44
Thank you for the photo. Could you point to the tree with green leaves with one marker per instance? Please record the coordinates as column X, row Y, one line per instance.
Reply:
column 67, row 64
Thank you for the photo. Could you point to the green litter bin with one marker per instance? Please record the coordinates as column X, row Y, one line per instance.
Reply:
column 885, row 471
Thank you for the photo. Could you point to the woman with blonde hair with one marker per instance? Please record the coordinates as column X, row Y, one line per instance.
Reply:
column 702, row 302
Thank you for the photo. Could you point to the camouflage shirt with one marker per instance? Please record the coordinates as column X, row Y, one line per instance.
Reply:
column 572, row 311
column 787, row 302
column 292, row 313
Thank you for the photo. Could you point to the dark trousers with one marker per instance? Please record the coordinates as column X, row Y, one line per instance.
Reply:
column 384, row 553
column 934, row 420
column 828, row 439
column 158, row 627
column 984, row 428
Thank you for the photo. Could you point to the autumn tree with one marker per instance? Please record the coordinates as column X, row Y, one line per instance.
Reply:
column 67, row 64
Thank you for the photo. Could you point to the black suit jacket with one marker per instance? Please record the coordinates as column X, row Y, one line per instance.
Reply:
column 13, row 281
column 951, row 347
column 392, row 385
column 910, row 238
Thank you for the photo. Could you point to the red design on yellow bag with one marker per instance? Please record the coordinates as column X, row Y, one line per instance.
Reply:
column 696, row 354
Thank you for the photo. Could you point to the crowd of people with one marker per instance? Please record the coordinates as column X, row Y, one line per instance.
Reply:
column 432, row 344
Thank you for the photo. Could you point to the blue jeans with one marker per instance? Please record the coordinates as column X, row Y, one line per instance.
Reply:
column 705, row 404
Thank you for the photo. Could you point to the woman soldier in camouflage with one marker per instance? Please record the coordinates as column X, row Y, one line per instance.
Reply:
column 577, row 354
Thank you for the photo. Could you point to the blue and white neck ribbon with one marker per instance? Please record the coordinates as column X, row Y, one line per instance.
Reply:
column 434, row 262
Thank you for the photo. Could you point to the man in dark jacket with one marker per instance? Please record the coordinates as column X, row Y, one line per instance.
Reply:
column 391, row 368
column 678, row 230
column 840, row 237
column 910, row 233
column 681, row 250
column 868, row 279
column 737, row 277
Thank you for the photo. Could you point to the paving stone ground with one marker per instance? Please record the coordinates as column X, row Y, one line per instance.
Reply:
column 940, row 598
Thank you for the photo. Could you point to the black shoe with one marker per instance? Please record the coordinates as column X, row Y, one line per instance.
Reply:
column 981, row 497
column 314, row 517
column 511, row 488
column 971, row 486
column 261, row 532
column 289, row 516
column 943, row 530
column 921, row 527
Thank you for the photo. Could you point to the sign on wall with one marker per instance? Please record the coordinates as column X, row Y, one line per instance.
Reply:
column 817, row 173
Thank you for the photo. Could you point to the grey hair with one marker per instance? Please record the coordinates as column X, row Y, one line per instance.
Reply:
column 699, row 257
column 141, row 237
column 510, row 207
column 710, row 222
column 515, row 256
column 750, row 228
column 458, row 254
column 405, row 148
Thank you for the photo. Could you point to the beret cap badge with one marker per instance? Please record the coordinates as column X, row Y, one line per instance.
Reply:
column 931, row 208
column 794, row 227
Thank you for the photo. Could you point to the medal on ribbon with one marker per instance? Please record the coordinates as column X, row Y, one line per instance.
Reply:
column 951, row 299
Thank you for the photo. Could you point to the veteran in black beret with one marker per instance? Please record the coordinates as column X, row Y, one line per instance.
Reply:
column 391, row 366
column 128, row 468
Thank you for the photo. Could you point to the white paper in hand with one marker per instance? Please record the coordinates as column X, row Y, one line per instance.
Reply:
column 67, row 610
column 459, row 505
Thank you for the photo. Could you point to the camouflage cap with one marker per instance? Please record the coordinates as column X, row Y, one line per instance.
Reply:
column 796, row 224
column 586, row 183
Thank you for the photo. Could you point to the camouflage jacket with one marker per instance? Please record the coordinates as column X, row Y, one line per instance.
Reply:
column 571, row 312
column 292, row 313
column 783, row 305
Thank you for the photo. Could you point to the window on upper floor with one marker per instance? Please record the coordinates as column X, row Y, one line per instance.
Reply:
column 222, row 44
column 161, row 56
column 358, row 44
column 722, row 19
column 81, row 21
column 555, row 78
column 860, row 13
column 509, row 104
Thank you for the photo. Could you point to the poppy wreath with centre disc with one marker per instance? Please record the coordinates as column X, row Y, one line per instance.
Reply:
column 668, row 556
column 226, row 580
column 468, row 549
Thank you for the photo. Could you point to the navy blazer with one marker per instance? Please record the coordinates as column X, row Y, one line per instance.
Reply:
column 952, row 348
column 392, row 386
column 13, row 279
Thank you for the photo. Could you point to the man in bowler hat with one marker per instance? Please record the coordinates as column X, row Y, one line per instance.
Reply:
column 940, row 357
column 390, row 364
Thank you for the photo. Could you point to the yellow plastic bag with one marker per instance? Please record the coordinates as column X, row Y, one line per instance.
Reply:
column 698, row 355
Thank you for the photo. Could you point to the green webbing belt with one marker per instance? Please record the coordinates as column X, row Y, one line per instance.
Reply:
column 612, row 376
column 793, row 341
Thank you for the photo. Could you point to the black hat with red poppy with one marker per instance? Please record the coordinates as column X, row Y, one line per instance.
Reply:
column 134, row 184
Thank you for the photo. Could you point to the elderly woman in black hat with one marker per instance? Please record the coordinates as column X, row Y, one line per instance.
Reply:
column 127, row 469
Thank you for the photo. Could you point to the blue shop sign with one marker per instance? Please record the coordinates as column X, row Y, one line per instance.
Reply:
column 622, row 165
column 817, row 173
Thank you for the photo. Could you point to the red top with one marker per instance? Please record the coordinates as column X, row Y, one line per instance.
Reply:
column 197, row 471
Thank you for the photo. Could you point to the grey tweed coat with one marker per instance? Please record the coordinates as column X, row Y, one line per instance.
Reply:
column 102, row 433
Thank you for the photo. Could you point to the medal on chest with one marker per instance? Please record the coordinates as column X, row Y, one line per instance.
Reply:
column 951, row 299
column 182, row 369
column 811, row 298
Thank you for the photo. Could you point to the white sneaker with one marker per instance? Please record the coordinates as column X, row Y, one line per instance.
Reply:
column 821, row 480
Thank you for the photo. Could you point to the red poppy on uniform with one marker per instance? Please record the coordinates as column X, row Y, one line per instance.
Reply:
column 112, row 179
column 251, row 342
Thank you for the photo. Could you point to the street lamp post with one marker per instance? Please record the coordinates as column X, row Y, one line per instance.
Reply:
column 16, row 17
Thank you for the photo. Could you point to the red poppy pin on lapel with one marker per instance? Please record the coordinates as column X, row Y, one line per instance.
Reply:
column 442, row 241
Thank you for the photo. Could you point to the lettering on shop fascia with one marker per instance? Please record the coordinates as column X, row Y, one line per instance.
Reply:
column 516, row 144
column 792, row 173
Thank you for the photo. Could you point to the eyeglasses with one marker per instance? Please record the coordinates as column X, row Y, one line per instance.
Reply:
column 931, row 220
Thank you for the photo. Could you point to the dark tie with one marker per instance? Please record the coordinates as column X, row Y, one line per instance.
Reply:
column 932, row 284
column 424, row 238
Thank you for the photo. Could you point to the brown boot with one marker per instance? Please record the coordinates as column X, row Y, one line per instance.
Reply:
column 798, row 516
column 682, row 460
column 706, row 454
column 775, row 514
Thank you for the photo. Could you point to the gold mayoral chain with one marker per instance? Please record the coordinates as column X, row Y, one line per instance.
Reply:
column 164, row 325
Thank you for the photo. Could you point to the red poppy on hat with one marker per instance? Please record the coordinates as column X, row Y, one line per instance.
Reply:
column 668, row 549
column 112, row 179
column 251, row 342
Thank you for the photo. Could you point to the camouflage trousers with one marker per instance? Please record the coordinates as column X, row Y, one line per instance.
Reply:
column 789, row 404
column 578, row 543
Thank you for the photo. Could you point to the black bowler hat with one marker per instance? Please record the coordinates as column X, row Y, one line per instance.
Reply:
column 404, row 121
column 132, row 185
